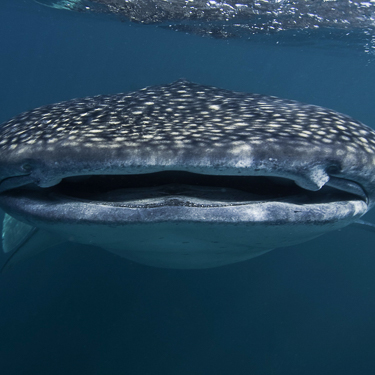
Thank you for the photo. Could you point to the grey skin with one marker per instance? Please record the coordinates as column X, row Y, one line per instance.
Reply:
column 181, row 175
column 245, row 19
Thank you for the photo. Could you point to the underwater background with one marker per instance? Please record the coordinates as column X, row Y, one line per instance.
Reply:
column 305, row 309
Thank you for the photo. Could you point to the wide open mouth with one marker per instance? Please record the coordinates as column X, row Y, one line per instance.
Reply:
column 184, row 188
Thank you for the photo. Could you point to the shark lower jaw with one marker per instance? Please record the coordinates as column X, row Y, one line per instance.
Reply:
column 174, row 196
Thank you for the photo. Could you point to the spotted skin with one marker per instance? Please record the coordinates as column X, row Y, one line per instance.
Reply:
column 184, row 114
column 186, row 127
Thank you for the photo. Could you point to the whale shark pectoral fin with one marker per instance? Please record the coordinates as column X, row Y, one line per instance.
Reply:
column 366, row 225
column 15, row 233
column 23, row 241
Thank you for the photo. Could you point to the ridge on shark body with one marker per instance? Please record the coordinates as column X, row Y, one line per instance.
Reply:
column 181, row 175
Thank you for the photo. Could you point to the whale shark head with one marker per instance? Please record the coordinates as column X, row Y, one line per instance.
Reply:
column 185, row 175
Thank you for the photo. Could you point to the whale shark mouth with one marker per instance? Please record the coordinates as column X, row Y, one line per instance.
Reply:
column 180, row 219
column 186, row 188
column 180, row 197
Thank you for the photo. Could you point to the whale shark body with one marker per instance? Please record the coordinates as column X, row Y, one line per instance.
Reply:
column 245, row 19
column 181, row 175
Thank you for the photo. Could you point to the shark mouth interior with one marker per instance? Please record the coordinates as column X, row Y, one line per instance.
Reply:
column 185, row 188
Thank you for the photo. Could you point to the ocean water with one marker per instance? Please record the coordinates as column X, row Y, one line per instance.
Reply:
column 307, row 309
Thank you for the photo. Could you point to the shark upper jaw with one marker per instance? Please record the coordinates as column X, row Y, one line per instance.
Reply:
column 180, row 196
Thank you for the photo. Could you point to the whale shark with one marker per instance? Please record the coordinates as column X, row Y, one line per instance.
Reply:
column 245, row 19
column 181, row 175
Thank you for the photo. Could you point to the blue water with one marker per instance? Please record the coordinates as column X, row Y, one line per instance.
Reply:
column 307, row 309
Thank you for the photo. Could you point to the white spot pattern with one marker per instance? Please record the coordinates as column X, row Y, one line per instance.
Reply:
column 184, row 114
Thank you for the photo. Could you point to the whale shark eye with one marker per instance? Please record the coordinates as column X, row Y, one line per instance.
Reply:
column 333, row 169
column 26, row 167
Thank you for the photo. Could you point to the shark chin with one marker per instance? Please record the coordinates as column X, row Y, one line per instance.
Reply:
column 181, row 175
